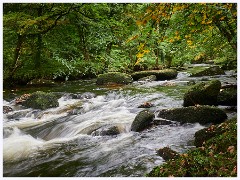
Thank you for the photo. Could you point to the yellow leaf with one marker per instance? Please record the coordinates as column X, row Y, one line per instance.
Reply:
column 140, row 55
column 138, row 61
column 189, row 42
column 209, row 22
column 139, row 22
column 132, row 38
column 141, row 46
column 146, row 51
column 222, row 18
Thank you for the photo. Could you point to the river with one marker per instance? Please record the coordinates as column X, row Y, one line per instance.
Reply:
column 56, row 143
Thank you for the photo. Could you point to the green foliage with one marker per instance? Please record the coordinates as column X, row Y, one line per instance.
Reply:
column 75, row 40
column 216, row 158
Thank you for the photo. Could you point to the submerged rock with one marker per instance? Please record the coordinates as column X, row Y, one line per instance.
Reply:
column 165, row 74
column 167, row 153
column 211, row 71
column 106, row 131
column 114, row 78
column 203, row 93
column 145, row 105
column 7, row 109
column 41, row 100
column 193, row 114
column 142, row 120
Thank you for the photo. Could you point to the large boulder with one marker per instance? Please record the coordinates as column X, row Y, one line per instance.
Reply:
column 228, row 96
column 211, row 71
column 203, row 93
column 142, row 121
column 193, row 114
column 114, row 78
column 41, row 100
column 165, row 74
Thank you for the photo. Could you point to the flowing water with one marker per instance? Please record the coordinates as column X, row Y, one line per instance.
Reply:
column 65, row 141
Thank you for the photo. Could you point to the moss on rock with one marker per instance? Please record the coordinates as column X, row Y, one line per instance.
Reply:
column 114, row 77
column 148, row 78
column 165, row 74
column 228, row 96
column 167, row 153
column 41, row 100
column 216, row 158
column 193, row 114
column 203, row 93
column 214, row 70
column 205, row 134
column 142, row 121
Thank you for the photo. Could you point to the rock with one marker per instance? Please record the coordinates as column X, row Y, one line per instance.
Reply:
column 214, row 70
column 228, row 96
column 165, row 74
column 7, row 109
column 193, row 114
column 22, row 98
column 114, row 78
column 162, row 121
column 41, row 100
column 146, row 105
column 148, row 78
column 203, row 93
column 106, row 131
column 41, row 82
column 205, row 134
column 86, row 95
column 142, row 120
column 167, row 153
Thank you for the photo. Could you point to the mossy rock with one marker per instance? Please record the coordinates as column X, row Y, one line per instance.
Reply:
column 167, row 153
column 203, row 93
column 211, row 71
column 228, row 97
column 165, row 74
column 41, row 100
column 193, row 114
column 114, row 78
column 205, row 134
column 142, row 121
column 148, row 78
column 216, row 158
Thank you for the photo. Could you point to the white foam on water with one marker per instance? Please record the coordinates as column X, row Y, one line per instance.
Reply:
column 19, row 146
